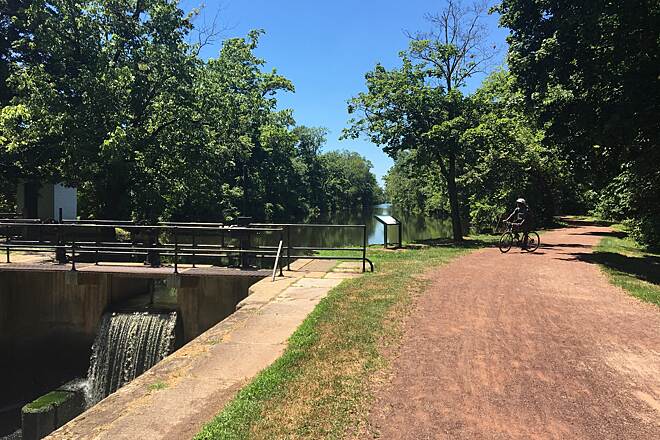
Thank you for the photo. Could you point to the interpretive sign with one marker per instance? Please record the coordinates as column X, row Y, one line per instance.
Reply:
column 387, row 221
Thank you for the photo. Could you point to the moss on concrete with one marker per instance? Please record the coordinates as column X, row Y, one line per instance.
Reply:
column 47, row 401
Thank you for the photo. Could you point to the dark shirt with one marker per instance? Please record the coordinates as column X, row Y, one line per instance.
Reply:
column 519, row 214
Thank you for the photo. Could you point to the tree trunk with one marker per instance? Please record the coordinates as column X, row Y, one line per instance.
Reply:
column 457, row 228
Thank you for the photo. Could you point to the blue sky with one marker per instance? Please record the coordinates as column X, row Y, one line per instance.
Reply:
column 325, row 48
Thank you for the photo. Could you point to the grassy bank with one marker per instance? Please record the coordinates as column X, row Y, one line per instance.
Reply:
column 629, row 266
column 320, row 387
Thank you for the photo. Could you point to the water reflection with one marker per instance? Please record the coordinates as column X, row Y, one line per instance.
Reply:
column 415, row 227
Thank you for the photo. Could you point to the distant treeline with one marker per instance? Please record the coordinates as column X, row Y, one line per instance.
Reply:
column 572, row 126
column 113, row 97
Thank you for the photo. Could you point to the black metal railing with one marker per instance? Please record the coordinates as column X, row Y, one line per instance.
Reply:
column 293, row 251
column 86, row 242
column 95, row 241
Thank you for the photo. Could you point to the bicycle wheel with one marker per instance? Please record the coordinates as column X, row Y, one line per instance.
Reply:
column 533, row 242
column 506, row 241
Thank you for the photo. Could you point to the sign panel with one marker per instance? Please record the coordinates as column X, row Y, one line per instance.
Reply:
column 387, row 219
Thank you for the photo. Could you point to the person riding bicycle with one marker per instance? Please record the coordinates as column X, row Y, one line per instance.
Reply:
column 521, row 220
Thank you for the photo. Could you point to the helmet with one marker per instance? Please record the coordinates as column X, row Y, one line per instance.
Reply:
column 521, row 201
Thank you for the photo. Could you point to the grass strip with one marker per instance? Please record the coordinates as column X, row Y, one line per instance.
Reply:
column 319, row 387
column 629, row 266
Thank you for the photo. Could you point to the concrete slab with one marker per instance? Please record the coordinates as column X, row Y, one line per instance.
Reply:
column 306, row 293
column 238, row 358
column 342, row 275
column 197, row 381
column 316, row 282
column 252, row 335
column 348, row 269
column 315, row 274
column 320, row 265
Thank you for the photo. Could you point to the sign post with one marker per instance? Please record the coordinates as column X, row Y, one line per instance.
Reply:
column 387, row 221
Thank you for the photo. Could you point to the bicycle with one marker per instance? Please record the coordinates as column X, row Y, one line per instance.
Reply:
column 510, row 237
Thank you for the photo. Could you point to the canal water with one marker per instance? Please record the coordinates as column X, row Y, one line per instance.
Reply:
column 415, row 228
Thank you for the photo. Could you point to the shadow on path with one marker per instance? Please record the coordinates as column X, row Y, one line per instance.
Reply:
column 469, row 243
column 646, row 268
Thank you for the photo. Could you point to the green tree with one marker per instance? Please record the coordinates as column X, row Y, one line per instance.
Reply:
column 349, row 181
column 309, row 166
column 110, row 96
column 251, row 143
column 416, row 188
column 419, row 106
column 507, row 157
column 100, row 87
column 589, row 73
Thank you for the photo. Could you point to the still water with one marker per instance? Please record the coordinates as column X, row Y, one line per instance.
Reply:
column 415, row 227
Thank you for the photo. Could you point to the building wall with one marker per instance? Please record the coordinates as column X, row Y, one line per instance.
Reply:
column 51, row 199
column 67, row 199
column 45, row 204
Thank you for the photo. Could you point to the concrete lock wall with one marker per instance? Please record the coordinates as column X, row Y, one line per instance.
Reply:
column 205, row 301
column 47, row 325
column 49, row 319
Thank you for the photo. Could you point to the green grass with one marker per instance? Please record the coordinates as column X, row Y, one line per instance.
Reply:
column 46, row 401
column 157, row 386
column 320, row 386
column 629, row 266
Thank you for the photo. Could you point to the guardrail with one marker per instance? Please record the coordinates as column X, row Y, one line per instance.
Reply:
column 293, row 252
column 77, row 242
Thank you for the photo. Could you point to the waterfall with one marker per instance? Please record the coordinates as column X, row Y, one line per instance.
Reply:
column 127, row 345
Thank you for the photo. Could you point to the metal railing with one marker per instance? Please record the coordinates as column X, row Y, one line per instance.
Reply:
column 84, row 242
column 293, row 252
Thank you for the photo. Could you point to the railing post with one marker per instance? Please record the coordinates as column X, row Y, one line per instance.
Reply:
column 98, row 244
column 194, row 245
column 7, row 242
column 364, row 248
column 222, row 247
column 176, row 252
column 60, row 250
column 277, row 260
column 73, row 255
column 243, row 246
column 280, row 250
column 153, row 254
column 288, row 247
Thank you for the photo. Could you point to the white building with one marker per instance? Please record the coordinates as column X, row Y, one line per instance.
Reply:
column 44, row 200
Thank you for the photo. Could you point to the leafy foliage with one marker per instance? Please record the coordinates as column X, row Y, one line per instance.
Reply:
column 419, row 107
column 588, row 72
column 503, row 158
column 109, row 95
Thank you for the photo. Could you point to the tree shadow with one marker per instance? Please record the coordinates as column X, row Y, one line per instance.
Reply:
column 469, row 243
column 563, row 245
column 645, row 268
column 616, row 234
column 580, row 222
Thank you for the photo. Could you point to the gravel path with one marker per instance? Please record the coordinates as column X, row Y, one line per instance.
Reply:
column 525, row 346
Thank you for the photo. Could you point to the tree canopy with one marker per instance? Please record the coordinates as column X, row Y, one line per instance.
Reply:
column 111, row 96
column 588, row 72
column 419, row 107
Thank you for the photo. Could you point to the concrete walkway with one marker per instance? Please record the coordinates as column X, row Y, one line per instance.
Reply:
column 178, row 396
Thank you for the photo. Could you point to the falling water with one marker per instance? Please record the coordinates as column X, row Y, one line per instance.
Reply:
column 127, row 345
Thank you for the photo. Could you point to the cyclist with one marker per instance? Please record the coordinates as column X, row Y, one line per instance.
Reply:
column 520, row 219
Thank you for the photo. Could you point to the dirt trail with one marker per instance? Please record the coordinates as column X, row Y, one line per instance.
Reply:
column 525, row 346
